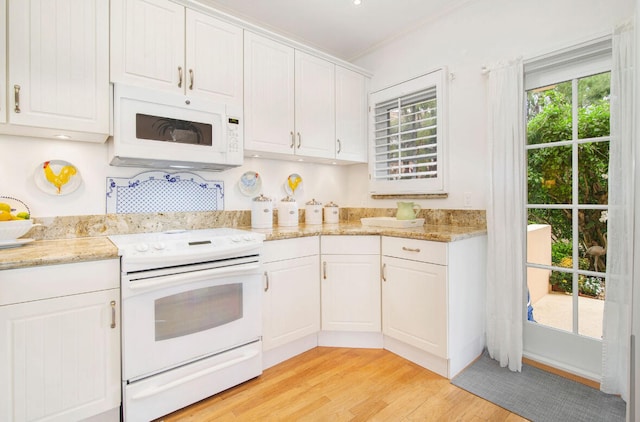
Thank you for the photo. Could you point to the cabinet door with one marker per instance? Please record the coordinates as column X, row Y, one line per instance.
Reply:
column 414, row 309
column 314, row 106
column 60, row 359
column 350, row 286
column 351, row 115
column 3, row 62
column 291, row 300
column 58, row 72
column 147, row 44
column 214, row 58
column 268, row 96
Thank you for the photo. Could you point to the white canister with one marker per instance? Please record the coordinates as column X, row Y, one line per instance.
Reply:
column 331, row 213
column 261, row 212
column 287, row 212
column 313, row 212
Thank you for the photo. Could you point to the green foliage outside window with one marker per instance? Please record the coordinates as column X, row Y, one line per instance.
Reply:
column 549, row 171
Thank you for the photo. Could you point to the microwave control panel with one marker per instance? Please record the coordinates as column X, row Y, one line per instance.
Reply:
column 233, row 125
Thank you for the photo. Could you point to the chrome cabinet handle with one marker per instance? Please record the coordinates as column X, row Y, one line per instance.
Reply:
column 191, row 79
column 324, row 270
column 179, row 76
column 339, row 146
column 299, row 140
column 113, row 314
column 16, row 93
column 266, row 276
column 404, row 248
column 384, row 272
column 293, row 140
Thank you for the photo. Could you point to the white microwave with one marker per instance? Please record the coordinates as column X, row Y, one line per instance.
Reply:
column 164, row 131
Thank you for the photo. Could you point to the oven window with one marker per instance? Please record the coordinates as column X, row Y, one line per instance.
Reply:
column 197, row 310
column 164, row 129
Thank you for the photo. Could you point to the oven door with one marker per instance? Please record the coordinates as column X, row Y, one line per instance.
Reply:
column 180, row 318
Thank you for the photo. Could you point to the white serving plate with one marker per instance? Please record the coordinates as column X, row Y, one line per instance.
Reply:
column 391, row 222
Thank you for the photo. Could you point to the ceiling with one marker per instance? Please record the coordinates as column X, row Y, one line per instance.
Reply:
column 338, row 27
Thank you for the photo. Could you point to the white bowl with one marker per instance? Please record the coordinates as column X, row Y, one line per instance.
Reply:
column 13, row 229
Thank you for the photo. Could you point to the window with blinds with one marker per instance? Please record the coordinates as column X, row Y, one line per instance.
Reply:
column 408, row 132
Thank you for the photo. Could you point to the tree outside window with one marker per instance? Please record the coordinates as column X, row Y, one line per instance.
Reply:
column 567, row 177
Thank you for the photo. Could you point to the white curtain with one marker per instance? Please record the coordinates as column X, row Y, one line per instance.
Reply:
column 617, row 305
column 506, row 219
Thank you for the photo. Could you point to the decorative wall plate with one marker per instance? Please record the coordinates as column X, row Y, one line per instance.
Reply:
column 158, row 191
column 293, row 184
column 57, row 177
column 250, row 184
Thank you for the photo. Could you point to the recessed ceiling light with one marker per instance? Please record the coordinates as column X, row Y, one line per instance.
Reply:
column 357, row 2
column 62, row 136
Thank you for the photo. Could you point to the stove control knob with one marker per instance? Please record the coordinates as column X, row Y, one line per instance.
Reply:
column 142, row 247
column 247, row 237
column 236, row 239
column 159, row 246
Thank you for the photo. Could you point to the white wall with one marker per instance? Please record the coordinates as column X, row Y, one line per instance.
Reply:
column 478, row 34
column 20, row 156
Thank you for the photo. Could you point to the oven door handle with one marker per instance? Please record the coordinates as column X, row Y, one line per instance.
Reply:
column 173, row 384
column 178, row 279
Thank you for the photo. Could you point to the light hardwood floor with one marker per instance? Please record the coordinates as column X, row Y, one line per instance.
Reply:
column 342, row 384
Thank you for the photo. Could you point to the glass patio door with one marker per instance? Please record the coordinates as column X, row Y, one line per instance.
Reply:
column 567, row 199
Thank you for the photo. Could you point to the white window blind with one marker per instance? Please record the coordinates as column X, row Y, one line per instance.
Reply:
column 407, row 148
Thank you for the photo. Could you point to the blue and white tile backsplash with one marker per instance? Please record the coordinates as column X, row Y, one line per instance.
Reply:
column 158, row 191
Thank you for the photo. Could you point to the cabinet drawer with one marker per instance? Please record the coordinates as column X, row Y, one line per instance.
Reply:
column 416, row 250
column 350, row 245
column 49, row 281
column 279, row 250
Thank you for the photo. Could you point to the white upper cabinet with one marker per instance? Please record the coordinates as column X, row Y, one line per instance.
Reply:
column 163, row 45
column 3, row 63
column 315, row 106
column 147, row 43
column 299, row 105
column 268, row 96
column 351, row 115
column 58, row 79
column 213, row 58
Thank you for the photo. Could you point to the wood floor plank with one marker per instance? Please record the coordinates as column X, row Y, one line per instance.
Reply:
column 342, row 384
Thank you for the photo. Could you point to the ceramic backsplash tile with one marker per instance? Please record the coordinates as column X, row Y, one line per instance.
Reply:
column 159, row 191
column 69, row 227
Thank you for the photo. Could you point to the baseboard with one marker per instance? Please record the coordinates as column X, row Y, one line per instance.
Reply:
column 428, row 361
column 279, row 354
column 367, row 340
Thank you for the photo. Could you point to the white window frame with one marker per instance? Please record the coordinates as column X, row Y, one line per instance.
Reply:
column 435, row 79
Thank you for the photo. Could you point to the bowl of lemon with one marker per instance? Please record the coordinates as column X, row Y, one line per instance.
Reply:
column 14, row 223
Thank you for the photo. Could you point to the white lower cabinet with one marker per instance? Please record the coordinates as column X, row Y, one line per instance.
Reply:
column 350, row 283
column 291, row 301
column 433, row 301
column 414, row 307
column 60, row 331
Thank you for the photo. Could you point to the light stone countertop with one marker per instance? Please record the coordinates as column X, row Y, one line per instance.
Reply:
column 64, row 251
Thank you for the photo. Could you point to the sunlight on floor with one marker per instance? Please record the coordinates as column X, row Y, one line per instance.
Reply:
column 555, row 310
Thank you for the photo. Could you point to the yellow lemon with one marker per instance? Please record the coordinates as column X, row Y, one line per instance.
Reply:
column 5, row 216
column 5, row 207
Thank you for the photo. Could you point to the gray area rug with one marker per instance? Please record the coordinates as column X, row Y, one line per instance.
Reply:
column 538, row 395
